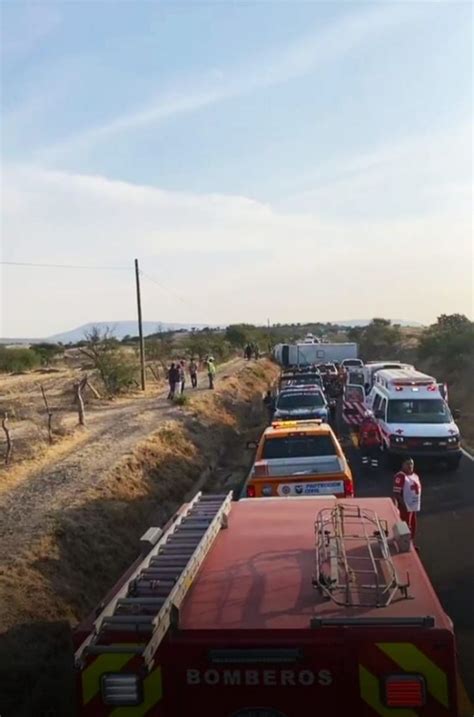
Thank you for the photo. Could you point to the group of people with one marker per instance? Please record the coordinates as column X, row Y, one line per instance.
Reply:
column 251, row 350
column 177, row 375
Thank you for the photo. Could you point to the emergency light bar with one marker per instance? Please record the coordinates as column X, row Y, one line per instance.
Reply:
column 297, row 424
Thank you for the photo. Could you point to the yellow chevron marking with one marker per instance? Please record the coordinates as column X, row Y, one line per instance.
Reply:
column 370, row 693
column 411, row 659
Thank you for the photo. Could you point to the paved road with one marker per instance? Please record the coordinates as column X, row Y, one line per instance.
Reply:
column 446, row 540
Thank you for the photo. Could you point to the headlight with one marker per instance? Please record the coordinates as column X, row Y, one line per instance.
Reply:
column 123, row 689
column 453, row 439
column 397, row 439
column 267, row 490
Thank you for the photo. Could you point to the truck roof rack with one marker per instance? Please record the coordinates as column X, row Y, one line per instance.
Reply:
column 139, row 614
column 354, row 566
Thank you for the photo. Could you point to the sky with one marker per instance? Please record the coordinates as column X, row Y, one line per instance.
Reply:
column 289, row 161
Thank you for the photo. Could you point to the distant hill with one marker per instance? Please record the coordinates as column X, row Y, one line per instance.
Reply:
column 119, row 329
column 365, row 322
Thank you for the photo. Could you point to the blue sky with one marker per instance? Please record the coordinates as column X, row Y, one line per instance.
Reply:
column 236, row 148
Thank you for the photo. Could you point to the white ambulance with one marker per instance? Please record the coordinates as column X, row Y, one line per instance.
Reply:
column 414, row 417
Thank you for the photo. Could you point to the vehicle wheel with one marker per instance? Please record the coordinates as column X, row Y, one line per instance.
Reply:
column 453, row 463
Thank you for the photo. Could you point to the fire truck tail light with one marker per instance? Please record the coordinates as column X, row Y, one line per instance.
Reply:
column 251, row 491
column 122, row 689
column 405, row 691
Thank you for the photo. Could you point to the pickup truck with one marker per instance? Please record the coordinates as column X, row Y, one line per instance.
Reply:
column 298, row 458
column 301, row 403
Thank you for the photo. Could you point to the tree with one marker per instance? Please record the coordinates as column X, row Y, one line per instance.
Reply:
column 449, row 343
column 116, row 368
column 378, row 340
column 239, row 335
column 47, row 352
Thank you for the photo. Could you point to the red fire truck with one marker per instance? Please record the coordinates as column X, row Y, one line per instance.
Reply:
column 272, row 608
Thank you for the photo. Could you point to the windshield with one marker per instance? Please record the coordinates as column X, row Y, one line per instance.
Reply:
column 300, row 400
column 301, row 380
column 418, row 411
column 299, row 447
column 354, row 393
column 356, row 378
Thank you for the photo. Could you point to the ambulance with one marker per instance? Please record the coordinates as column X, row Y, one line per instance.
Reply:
column 414, row 417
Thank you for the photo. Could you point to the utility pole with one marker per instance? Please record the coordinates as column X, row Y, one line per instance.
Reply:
column 140, row 327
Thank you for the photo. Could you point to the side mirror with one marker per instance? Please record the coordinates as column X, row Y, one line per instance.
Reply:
column 251, row 444
column 457, row 413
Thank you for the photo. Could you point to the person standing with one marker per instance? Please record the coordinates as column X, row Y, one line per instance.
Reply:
column 407, row 494
column 173, row 379
column 211, row 371
column 269, row 404
column 248, row 352
column 370, row 440
column 193, row 370
column 182, row 376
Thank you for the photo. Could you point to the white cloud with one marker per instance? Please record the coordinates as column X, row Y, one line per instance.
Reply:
column 309, row 53
column 408, row 177
column 295, row 266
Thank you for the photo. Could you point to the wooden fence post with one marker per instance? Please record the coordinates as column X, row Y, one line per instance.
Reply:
column 9, row 438
column 50, row 415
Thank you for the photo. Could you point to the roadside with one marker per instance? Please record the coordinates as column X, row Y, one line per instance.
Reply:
column 73, row 526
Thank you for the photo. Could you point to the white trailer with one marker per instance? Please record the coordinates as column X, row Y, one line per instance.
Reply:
column 304, row 354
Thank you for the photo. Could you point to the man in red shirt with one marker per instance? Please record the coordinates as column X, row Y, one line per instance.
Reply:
column 407, row 494
column 370, row 440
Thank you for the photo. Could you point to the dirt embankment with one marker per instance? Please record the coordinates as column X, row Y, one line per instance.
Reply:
column 62, row 559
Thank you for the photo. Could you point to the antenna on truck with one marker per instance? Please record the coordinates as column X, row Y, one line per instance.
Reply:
column 354, row 566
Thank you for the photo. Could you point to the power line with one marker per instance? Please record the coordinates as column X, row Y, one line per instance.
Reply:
column 65, row 266
column 166, row 288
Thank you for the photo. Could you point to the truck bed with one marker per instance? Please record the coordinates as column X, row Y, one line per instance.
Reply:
column 259, row 572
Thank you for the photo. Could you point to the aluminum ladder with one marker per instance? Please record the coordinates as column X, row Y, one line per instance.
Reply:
column 143, row 608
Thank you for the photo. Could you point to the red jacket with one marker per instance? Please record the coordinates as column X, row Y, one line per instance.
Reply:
column 369, row 433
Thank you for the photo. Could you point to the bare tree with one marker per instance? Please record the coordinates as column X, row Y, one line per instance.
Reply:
column 116, row 369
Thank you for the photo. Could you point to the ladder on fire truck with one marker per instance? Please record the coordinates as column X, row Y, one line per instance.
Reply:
column 142, row 610
column 354, row 565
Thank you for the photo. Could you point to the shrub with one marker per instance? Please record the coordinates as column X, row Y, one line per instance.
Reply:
column 47, row 352
column 181, row 400
column 17, row 359
column 117, row 368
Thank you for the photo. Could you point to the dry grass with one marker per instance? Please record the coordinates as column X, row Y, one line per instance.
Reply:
column 88, row 542
column 70, row 535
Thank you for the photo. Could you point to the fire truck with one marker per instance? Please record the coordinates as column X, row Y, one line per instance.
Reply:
column 271, row 608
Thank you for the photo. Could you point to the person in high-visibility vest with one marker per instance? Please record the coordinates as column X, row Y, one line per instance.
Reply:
column 211, row 371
